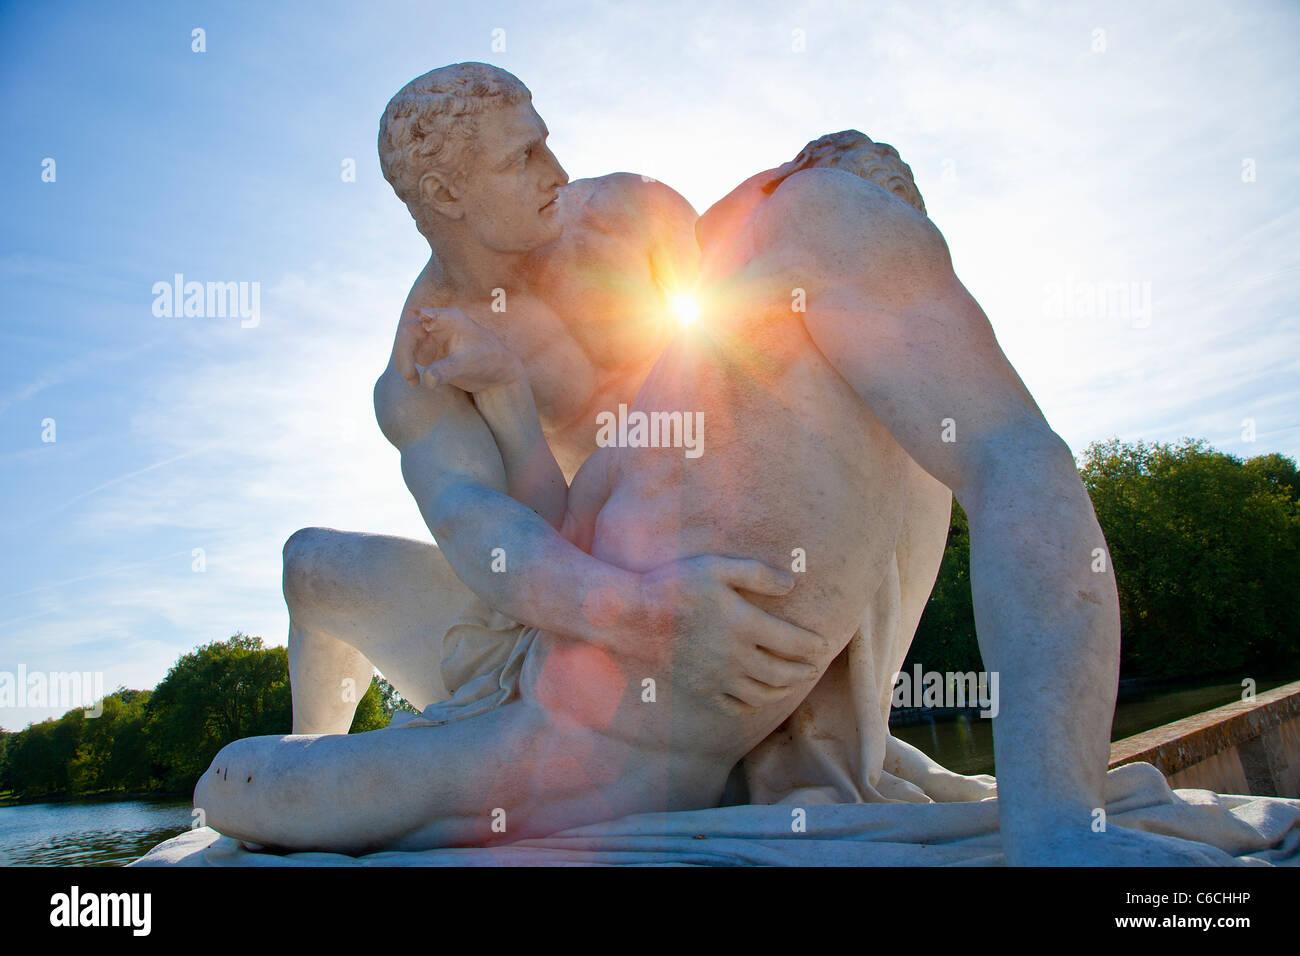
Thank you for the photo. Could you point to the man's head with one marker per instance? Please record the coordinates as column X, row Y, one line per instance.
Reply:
column 855, row 153
column 463, row 144
column 849, row 151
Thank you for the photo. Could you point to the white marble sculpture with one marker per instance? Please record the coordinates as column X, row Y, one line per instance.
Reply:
column 629, row 627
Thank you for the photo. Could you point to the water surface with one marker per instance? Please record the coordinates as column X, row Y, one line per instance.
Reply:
column 88, row 833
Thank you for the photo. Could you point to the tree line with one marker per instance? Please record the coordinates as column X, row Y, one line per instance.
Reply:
column 161, row 741
column 1206, row 552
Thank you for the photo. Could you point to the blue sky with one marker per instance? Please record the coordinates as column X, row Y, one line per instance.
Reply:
column 1056, row 159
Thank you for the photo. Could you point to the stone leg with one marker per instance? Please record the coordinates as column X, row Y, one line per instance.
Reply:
column 504, row 775
column 359, row 601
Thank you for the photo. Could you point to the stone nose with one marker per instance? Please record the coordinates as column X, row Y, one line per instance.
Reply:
column 555, row 176
column 560, row 178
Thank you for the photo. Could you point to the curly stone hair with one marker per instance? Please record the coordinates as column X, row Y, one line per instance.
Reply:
column 432, row 121
column 856, row 153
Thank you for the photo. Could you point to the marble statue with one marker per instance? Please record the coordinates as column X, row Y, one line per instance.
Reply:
column 584, row 305
column 608, row 626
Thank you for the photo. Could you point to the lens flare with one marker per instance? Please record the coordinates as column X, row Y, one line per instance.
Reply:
column 685, row 308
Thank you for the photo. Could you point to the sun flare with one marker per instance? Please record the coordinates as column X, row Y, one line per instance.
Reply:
column 685, row 308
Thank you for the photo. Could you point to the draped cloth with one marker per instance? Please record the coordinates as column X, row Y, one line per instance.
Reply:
column 482, row 660
column 1244, row 830
column 836, row 746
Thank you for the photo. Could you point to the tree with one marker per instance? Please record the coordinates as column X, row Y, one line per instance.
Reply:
column 164, row 739
column 1277, row 470
column 392, row 700
column 216, row 694
column 371, row 713
column 1206, row 554
column 1205, row 551
column 112, row 749
column 945, row 638
column 37, row 761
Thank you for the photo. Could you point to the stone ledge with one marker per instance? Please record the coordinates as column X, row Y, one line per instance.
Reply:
column 1231, row 732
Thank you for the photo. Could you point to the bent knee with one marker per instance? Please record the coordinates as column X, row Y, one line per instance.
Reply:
column 310, row 566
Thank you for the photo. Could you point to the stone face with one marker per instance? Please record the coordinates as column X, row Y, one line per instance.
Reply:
column 604, row 632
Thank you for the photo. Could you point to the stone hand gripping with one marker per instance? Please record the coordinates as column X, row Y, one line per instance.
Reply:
column 756, row 660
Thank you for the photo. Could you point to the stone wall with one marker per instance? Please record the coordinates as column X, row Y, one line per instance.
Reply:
column 1250, row 747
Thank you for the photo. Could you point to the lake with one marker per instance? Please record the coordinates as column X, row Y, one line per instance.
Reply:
column 89, row 832
column 116, row 832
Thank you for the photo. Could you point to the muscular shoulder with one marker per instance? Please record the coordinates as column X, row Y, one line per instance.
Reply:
column 828, row 220
column 405, row 413
column 625, row 201
column 628, row 218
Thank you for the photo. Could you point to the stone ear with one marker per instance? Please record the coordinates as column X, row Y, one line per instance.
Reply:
column 431, row 185
column 439, row 195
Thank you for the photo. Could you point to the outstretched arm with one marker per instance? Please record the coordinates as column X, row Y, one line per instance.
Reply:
column 886, row 310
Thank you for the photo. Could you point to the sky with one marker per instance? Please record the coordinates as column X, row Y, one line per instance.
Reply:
column 1119, row 185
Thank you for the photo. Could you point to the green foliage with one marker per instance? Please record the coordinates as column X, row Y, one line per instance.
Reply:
column 1206, row 552
column 392, row 699
column 165, row 738
column 1279, row 471
column 81, row 754
column 218, row 693
column 945, row 638
column 375, row 709
column 112, row 750
column 370, row 713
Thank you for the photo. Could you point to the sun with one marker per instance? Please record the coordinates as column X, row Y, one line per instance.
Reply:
column 685, row 308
